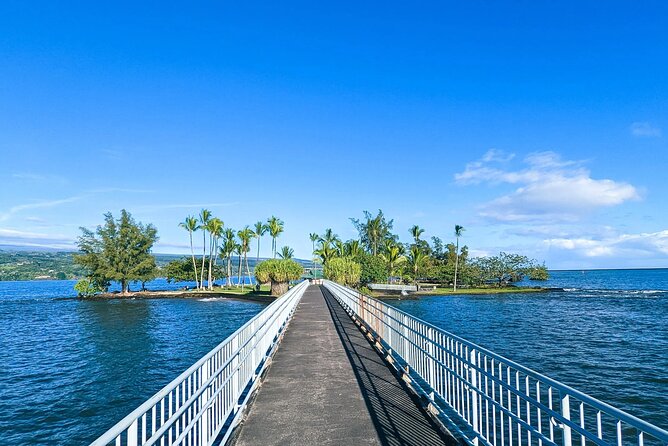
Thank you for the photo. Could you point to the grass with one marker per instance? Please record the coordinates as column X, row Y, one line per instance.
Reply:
column 440, row 291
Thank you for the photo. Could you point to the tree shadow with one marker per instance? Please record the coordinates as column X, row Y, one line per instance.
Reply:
column 395, row 412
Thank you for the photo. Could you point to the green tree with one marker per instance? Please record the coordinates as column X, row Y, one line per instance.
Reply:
column 373, row 269
column 279, row 272
column 416, row 260
column 119, row 250
column 314, row 238
column 245, row 237
column 374, row 231
column 538, row 272
column 190, row 225
column 286, row 252
column 204, row 217
column 326, row 252
column 215, row 229
column 260, row 230
column 226, row 250
column 276, row 227
column 458, row 233
column 344, row 271
column 393, row 257
column 416, row 232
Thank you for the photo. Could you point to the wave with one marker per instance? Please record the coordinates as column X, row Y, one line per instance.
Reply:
column 211, row 299
column 612, row 291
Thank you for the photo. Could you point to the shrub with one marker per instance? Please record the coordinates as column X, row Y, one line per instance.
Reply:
column 344, row 271
column 373, row 269
column 86, row 288
column 279, row 272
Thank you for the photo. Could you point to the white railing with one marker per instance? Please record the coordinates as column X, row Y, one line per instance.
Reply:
column 484, row 397
column 205, row 402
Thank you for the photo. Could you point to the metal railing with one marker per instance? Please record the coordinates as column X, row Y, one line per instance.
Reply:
column 205, row 402
column 484, row 397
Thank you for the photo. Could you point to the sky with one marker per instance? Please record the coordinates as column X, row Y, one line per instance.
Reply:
column 539, row 126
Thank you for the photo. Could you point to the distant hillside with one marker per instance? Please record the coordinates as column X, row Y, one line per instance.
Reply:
column 35, row 265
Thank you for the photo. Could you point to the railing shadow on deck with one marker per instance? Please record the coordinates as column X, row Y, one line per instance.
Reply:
column 394, row 410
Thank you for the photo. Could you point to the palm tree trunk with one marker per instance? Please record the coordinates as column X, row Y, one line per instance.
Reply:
column 456, row 263
column 208, row 283
column 201, row 280
column 239, row 274
column 257, row 258
column 229, row 270
column 192, row 254
column 248, row 269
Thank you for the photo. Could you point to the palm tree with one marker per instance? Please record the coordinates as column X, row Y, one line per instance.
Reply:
column 275, row 226
column 329, row 237
column 353, row 248
column 314, row 238
column 260, row 230
column 286, row 252
column 190, row 225
column 215, row 228
column 393, row 256
column 326, row 252
column 415, row 261
column 245, row 236
column 229, row 246
column 340, row 248
column 458, row 233
column 204, row 217
column 416, row 232
column 374, row 229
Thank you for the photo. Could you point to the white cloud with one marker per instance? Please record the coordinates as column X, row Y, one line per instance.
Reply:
column 646, row 244
column 34, row 239
column 38, row 205
column 548, row 189
column 645, row 130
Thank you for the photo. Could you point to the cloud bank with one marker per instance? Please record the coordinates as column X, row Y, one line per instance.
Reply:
column 547, row 188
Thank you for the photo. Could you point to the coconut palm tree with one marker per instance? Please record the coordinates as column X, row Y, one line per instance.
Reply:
column 245, row 237
column 353, row 248
column 374, row 229
column 329, row 237
column 228, row 248
column 314, row 238
column 326, row 252
column 340, row 248
column 393, row 256
column 275, row 226
column 286, row 252
column 204, row 217
column 415, row 260
column 190, row 225
column 215, row 228
column 260, row 229
column 458, row 233
column 416, row 232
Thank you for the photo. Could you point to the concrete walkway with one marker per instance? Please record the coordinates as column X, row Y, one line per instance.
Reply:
column 328, row 386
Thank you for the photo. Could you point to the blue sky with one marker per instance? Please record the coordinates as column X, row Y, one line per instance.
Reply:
column 540, row 127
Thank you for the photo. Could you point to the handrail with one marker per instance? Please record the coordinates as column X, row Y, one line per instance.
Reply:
column 477, row 384
column 204, row 401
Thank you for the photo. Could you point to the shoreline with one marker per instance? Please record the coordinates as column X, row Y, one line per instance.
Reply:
column 470, row 291
column 250, row 295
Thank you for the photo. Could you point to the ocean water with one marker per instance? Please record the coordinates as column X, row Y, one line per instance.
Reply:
column 70, row 369
column 605, row 334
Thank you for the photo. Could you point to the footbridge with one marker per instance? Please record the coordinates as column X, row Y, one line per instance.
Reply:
column 326, row 365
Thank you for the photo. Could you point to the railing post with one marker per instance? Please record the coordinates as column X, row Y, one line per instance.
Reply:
column 132, row 434
column 473, row 379
column 204, row 420
column 566, row 413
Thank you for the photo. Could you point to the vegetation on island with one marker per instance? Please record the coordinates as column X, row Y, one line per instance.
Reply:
column 280, row 272
column 117, row 251
column 38, row 265
column 378, row 256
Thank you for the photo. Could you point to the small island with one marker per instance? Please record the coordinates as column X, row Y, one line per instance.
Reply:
column 119, row 251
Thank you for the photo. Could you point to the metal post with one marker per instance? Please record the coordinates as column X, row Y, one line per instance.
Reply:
column 566, row 413
column 474, row 394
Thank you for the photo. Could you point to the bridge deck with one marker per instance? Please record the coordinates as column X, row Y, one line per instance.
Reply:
column 328, row 386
